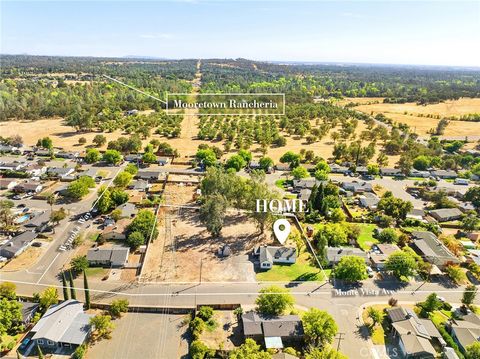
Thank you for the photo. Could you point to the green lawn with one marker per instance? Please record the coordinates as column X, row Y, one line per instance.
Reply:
column 281, row 183
column 96, row 272
column 302, row 270
column 365, row 239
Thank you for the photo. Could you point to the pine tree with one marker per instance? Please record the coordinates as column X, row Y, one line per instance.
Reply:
column 87, row 291
column 72, row 286
column 65, row 288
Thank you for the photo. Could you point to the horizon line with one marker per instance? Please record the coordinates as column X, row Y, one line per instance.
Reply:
column 278, row 62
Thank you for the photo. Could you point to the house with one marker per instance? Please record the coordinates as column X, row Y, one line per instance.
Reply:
column 467, row 331
column 7, row 183
column 63, row 325
column 421, row 174
column 446, row 174
column 269, row 255
column 357, row 187
column 369, row 200
column 27, row 187
column 7, row 148
column 44, row 153
column 108, row 257
column 462, row 181
column 384, row 171
column 139, row 185
column 417, row 214
column 335, row 254
column 117, row 231
column 128, row 210
column 67, row 154
column 59, row 172
column 361, row 170
column 17, row 244
column 153, row 176
column 334, row 168
column 35, row 169
column 91, row 172
column 415, row 336
column 308, row 183
column 273, row 331
column 39, row 221
column 13, row 166
column 282, row 167
column 427, row 245
column 446, row 214
column 380, row 253
column 133, row 157
column 466, row 207
column 473, row 236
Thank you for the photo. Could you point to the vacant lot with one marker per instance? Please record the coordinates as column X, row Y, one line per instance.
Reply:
column 185, row 252
column 163, row 336
column 25, row 260
column 416, row 115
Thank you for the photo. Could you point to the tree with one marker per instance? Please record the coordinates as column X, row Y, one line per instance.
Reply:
column 135, row 239
column 48, row 297
column 265, row 163
column 145, row 223
column 112, row 157
column 206, row 157
column 473, row 195
column 325, row 353
column 73, row 292
column 472, row 351
column 99, row 140
column 82, row 140
column 373, row 169
column 86, row 290
column 10, row 316
column 291, row 158
column 257, row 188
column 456, row 273
column 236, row 162
column 334, row 233
column 117, row 307
column 64, row 287
column 470, row 222
column 469, row 294
column 123, row 179
column 102, row 325
column 375, row 315
column 274, row 300
column 394, row 207
column 77, row 190
column 212, row 213
column 351, row 269
column 79, row 263
column 80, row 352
column 431, row 303
column 402, row 264
column 7, row 290
column 421, row 163
column 249, row 350
column 45, row 142
column 198, row 350
column 93, row 155
column 57, row 216
column 388, row 235
column 300, row 172
column 149, row 157
column 104, row 203
column 40, row 353
column 131, row 168
column 319, row 326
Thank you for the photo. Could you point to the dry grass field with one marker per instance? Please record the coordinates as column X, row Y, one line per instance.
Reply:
column 415, row 115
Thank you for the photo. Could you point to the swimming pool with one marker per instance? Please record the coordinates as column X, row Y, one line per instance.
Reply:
column 22, row 219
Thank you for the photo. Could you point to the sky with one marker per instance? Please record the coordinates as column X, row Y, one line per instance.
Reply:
column 389, row 32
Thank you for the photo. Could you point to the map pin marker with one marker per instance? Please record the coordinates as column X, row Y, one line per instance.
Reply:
column 281, row 228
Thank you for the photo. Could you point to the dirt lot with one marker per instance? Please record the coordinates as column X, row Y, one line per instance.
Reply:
column 226, row 335
column 25, row 260
column 184, row 248
column 415, row 115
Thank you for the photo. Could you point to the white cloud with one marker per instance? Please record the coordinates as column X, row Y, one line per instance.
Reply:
column 156, row 36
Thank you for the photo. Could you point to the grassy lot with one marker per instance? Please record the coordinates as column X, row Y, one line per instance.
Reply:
column 96, row 272
column 283, row 183
column 365, row 239
column 302, row 270
column 9, row 340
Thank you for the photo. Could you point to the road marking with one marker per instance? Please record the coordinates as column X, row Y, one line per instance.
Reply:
column 46, row 270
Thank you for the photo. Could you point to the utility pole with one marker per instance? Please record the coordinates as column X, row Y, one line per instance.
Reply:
column 340, row 337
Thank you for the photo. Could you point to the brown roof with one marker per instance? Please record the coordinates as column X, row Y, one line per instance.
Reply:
column 119, row 226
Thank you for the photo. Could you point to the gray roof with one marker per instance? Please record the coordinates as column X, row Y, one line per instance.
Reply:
column 39, row 219
column 272, row 254
column 128, row 209
column 64, row 323
column 148, row 174
column 11, row 248
column 445, row 213
column 467, row 330
column 272, row 326
column 357, row 186
column 59, row 171
column 444, row 173
column 139, row 185
column 115, row 255
column 334, row 254
column 307, row 183
column 430, row 246
column 390, row 171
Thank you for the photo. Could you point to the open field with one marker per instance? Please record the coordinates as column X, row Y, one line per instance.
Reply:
column 416, row 115
column 185, row 252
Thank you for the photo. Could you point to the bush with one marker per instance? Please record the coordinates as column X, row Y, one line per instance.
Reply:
column 117, row 307
column 198, row 350
column 197, row 326
column 205, row 313
column 79, row 353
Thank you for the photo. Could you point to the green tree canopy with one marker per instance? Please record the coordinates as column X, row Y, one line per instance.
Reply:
column 274, row 300
column 351, row 269
column 319, row 326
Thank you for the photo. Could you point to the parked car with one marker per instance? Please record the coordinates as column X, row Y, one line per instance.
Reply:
column 24, row 344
